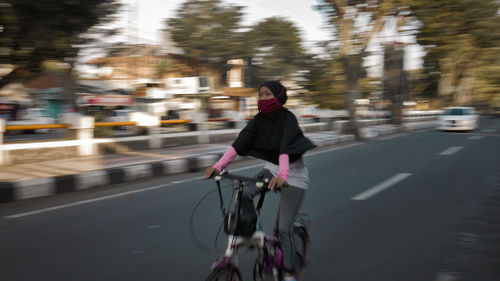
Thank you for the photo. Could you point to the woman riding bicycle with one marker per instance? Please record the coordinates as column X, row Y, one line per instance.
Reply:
column 274, row 135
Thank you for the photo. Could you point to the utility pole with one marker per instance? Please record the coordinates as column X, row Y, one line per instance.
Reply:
column 393, row 75
column 393, row 78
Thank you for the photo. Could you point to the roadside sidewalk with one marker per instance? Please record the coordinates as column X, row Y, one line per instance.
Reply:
column 27, row 181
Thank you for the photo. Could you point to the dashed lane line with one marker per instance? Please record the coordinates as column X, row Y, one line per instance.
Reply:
column 381, row 186
column 451, row 150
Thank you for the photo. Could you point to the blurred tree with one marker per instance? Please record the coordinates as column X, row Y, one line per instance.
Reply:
column 487, row 86
column 462, row 48
column 326, row 79
column 36, row 31
column 354, row 24
column 208, row 30
column 353, row 36
column 211, row 31
column 276, row 49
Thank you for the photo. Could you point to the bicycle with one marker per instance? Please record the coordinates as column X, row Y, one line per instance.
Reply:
column 269, row 252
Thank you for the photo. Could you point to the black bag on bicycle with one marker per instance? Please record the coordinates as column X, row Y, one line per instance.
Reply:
column 246, row 219
column 247, row 213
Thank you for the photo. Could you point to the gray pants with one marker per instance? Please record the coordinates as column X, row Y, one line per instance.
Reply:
column 290, row 201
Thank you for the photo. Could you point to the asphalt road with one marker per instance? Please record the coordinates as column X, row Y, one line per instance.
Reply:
column 386, row 209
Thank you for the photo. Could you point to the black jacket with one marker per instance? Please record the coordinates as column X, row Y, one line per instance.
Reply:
column 266, row 137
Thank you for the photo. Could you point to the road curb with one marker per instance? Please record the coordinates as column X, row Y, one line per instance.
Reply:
column 6, row 192
column 41, row 187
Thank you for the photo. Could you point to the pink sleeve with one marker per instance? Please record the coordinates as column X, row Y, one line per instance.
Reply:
column 225, row 159
column 284, row 163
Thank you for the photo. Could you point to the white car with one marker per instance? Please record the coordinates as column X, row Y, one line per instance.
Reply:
column 458, row 119
column 119, row 115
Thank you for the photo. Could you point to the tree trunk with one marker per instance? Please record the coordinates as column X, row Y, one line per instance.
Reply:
column 394, row 79
column 465, row 88
column 447, row 81
column 352, row 67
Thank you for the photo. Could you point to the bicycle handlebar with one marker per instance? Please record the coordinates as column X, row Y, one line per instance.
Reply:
column 242, row 179
column 259, row 183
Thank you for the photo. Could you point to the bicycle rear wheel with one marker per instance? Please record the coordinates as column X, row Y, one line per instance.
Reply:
column 226, row 273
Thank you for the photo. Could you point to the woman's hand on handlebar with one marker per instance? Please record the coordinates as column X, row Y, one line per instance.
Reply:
column 210, row 171
column 276, row 182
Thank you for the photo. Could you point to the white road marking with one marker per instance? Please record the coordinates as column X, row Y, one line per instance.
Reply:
column 447, row 276
column 183, row 181
column 19, row 215
column 381, row 187
column 451, row 150
column 476, row 137
column 85, row 201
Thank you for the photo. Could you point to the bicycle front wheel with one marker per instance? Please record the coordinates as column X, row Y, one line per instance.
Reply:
column 226, row 273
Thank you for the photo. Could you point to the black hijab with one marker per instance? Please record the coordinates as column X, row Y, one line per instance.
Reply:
column 276, row 88
column 267, row 136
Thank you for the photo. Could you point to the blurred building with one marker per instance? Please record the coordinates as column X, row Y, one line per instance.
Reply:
column 129, row 63
column 236, row 96
column 13, row 98
column 164, row 78
column 46, row 91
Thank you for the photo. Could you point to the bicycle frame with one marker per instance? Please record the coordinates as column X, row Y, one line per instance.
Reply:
column 269, row 251
column 268, row 246
column 270, row 260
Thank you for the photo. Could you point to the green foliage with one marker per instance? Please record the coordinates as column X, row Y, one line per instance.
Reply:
column 461, row 41
column 211, row 30
column 207, row 29
column 35, row 31
column 277, row 49
column 351, row 39
column 327, row 84
column 446, row 22
column 487, row 85
column 368, row 85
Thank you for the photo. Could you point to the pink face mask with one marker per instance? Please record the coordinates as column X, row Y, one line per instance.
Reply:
column 270, row 106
